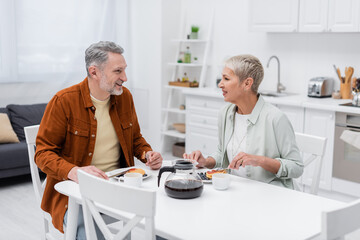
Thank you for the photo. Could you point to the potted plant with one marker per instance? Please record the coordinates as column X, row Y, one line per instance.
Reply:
column 194, row 32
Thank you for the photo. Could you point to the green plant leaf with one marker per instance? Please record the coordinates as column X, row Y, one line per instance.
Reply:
column 194, row 28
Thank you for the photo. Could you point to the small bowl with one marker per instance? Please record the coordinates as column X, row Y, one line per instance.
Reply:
column 179, row 127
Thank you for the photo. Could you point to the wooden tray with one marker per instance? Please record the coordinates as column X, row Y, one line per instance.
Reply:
column 184, row 84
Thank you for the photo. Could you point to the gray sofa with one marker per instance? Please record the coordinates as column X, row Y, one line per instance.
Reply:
column 14, row 159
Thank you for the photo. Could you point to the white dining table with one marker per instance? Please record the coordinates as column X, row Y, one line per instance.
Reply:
column 248, row 209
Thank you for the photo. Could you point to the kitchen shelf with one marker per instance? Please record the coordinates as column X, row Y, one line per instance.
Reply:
column 168, row 159
column 187, row 64
column 178, row 87
column 174, row 96
column 173, row 133
column 174, row 110
column 189, row 40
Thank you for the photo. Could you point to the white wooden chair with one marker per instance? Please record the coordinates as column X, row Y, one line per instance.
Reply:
column 337, row 223
column 141, row 202
column 30, row 136
column 313, row 146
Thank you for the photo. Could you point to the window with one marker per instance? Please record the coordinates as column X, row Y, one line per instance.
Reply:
column 44, row 40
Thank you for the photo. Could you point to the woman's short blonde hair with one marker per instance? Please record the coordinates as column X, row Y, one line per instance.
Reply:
column 247, row 66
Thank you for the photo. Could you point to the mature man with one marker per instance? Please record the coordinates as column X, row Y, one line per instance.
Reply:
column 90, row 126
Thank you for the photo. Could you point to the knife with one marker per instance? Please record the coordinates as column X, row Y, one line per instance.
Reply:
column 119, row 174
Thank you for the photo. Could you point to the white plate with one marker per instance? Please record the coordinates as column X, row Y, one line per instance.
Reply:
column 148, row 174
column 205, row 181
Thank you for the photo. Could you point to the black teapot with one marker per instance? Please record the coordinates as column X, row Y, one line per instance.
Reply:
column 183, row 182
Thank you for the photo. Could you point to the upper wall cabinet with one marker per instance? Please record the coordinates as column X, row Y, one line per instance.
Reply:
column 304, row 15
column 273, row 15
column 313, row 15
column 344, row 16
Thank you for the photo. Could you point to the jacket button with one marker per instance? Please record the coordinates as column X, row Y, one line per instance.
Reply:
column 93, row 135
column 66, row 206
column 92, row 108
column 130, row 124
column 94, row 118
column 90, row 154
column 76, row 132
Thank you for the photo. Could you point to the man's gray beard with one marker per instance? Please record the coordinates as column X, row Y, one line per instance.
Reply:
column 115, row 92
column 112, row 91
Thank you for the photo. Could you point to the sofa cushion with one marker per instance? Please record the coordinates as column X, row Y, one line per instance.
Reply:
column 13, row 155
column 7, row 134
column 3, row 110
column 25, row 115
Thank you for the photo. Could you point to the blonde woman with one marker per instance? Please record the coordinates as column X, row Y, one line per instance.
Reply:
column 255, row 137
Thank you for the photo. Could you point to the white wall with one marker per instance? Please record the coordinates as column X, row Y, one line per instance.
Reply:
column 144, row 64
column 302, row 55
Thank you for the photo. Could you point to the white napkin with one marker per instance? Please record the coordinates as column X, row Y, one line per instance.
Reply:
column 351, row 137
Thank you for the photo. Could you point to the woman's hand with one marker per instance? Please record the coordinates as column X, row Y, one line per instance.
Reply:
column 196, row 156
column 244, row 159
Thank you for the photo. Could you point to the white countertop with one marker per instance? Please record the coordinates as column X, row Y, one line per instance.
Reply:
column 296, row 100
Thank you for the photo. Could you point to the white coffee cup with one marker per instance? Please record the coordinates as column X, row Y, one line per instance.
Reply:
column 133, row 179
column 221, row 181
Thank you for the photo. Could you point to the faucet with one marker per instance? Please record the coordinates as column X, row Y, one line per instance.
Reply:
column 279, row 86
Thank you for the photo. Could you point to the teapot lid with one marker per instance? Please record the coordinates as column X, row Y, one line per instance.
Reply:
column 183, row 165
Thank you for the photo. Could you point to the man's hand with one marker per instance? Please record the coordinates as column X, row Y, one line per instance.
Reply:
column 72, row 175
column 154, row 160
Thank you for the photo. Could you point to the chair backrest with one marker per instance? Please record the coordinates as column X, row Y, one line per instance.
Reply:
column 313, row 146
column 30, row 136
column 335, row 224
column 141, row 202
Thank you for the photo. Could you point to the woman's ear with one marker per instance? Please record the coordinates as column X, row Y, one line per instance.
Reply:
column 248, row 83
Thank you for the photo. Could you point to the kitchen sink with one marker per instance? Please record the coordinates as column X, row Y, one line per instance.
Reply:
column 275, row 94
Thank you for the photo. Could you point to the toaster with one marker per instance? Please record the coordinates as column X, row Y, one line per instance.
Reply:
column 320, row 87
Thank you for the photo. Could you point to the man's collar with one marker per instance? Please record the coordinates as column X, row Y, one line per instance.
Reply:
column 85, row 92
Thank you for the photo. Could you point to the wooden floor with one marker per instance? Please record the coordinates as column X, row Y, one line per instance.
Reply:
column 20, row 217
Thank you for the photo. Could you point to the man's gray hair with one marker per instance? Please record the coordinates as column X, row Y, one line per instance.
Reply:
column 97, row 53
column 245, row 66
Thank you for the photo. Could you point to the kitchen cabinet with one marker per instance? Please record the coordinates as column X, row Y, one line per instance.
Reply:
column 304, row 15
column 295, row 116
column 313, row 15
column 321, row 123
column 344, row 15
column 273, row 15
column 202, row 123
